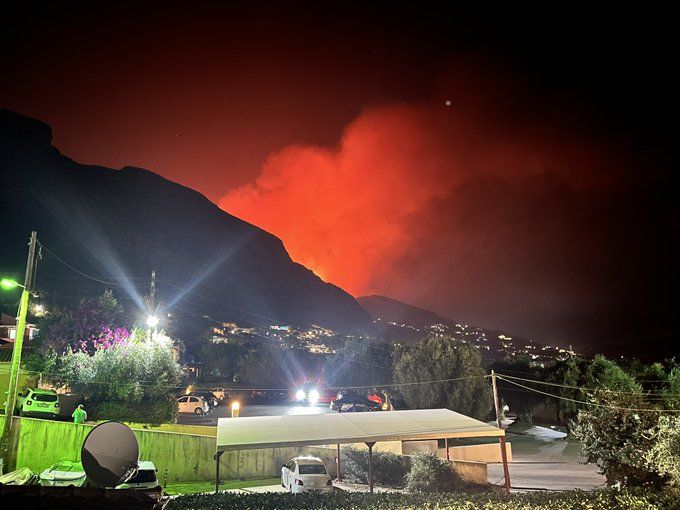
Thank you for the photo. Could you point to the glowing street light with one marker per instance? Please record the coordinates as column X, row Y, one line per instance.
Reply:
column 152, row 321
column 9, row 284
column 235, row 408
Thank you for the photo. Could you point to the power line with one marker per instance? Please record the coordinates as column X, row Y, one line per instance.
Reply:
column 607, row 406
column 580, row 388
column 74, row 269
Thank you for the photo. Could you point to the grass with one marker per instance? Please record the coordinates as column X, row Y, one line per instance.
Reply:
column 175, row 489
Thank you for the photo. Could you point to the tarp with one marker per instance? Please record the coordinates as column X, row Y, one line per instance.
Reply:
column 342, row 428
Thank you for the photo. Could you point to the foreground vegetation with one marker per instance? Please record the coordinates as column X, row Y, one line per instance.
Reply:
column 572, row 500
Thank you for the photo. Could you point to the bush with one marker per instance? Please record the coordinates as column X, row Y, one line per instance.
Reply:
column 388, row 468
column 431, row 474
column 664, row 456
column 151, row 411
column 570, row 500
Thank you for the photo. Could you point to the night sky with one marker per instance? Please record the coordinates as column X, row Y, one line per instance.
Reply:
column 511, row 168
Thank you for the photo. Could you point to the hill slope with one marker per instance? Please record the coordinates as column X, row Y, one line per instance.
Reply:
column 121, row 225
column 406, row 323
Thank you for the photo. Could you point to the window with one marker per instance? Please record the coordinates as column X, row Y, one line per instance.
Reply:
column 193, row 399
column 45, row 397
column 312, row 469
column 182, row 400
column 143, row 476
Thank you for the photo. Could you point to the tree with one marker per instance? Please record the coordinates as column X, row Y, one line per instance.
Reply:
column 91, row 322
column 616, row 431
column 578, row 376
column 664, row 455
column 437, row 358
column 221, row 360
column 366, row 363
column 263, row 366
column 130, row 381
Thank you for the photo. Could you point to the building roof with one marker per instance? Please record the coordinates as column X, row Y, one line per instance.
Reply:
column 341, row 428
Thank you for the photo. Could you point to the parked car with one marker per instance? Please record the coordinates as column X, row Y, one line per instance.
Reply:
column 63, row 474
column 144, row 478
column 305, row 474
column 38, row 403
column 352, row 402
column 221, row 393
column 193, row 405
column 208, row 396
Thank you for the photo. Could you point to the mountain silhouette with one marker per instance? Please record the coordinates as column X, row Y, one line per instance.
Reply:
column 113, row 227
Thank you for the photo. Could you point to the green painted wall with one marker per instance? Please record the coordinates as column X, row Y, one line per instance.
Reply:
column 178, row 457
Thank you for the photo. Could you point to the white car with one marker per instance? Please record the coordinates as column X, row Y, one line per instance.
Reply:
column 144, row 477
column 220, row 393
column 304, row 474
column 192, row 405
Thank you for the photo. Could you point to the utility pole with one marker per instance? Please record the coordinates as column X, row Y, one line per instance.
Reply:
column 504, row 453
column 152, row 292
column 13, row 382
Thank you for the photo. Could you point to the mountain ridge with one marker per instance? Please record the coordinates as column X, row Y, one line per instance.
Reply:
column 122, row 224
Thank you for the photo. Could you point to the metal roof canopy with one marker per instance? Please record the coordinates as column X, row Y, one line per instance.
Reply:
column 342, row 428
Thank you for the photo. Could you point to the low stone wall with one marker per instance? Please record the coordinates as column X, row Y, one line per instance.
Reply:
column 475, row 472
column 490, row 452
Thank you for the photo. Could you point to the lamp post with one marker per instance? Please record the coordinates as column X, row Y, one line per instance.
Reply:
column 12, row 384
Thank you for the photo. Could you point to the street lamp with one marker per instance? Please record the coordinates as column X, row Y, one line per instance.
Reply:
column 235, row 408
column 152, row 321
column 9, row 284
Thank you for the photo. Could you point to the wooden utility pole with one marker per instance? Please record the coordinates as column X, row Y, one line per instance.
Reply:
column 13, row 381
column 152, row 293
column 504, row 453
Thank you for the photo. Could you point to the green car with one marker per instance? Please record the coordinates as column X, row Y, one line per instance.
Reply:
column 38, row 403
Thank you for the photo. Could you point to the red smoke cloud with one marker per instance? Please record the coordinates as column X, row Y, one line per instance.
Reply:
column 480, row 204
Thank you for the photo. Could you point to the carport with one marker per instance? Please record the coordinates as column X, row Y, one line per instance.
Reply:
column 344, row 428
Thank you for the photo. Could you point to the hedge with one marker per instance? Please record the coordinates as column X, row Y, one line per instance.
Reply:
column 569, row 500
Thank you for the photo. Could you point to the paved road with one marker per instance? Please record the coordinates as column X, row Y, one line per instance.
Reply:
column 223, row 411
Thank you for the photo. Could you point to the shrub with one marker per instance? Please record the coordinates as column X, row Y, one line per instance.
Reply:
column 664, row 456
column 570, row 500
column 431, row 474
column 388, row 468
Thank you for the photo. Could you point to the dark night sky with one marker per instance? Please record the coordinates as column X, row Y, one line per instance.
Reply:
column 511, row 168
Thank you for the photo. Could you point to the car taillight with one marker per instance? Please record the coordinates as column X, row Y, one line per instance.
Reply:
column 56, row 404
column 28, row 402
column 329, row 482
column 298, row 482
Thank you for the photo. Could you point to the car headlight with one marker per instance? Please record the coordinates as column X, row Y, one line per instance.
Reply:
column 300, row 395
column 313, row 396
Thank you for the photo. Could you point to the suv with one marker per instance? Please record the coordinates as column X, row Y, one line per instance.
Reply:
column 191, row 404
column 38, row 403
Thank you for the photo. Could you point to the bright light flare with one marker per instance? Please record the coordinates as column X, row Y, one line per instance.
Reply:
column 314, row 396
column 235, row 405
column 152, row 321
column 300, row 395
column 8, row 284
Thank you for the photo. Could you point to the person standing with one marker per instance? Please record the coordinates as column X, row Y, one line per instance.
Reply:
column 79, row 415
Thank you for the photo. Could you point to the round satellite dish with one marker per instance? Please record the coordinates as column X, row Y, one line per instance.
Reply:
column 109, row 454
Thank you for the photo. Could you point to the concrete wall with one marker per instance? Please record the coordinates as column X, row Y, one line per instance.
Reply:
column 413, row 447
column 475, row 472
column 490, row 452
column 178, row 457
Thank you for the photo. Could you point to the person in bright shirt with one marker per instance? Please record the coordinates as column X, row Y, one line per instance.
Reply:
column 79, row 415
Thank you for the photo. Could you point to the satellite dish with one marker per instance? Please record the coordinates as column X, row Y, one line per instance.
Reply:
column 109, row 454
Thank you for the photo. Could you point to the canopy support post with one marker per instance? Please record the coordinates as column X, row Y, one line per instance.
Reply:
column 217, row 471
column 337, row 465
column 446, row 445
column 370, row 445
column 506, row 470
